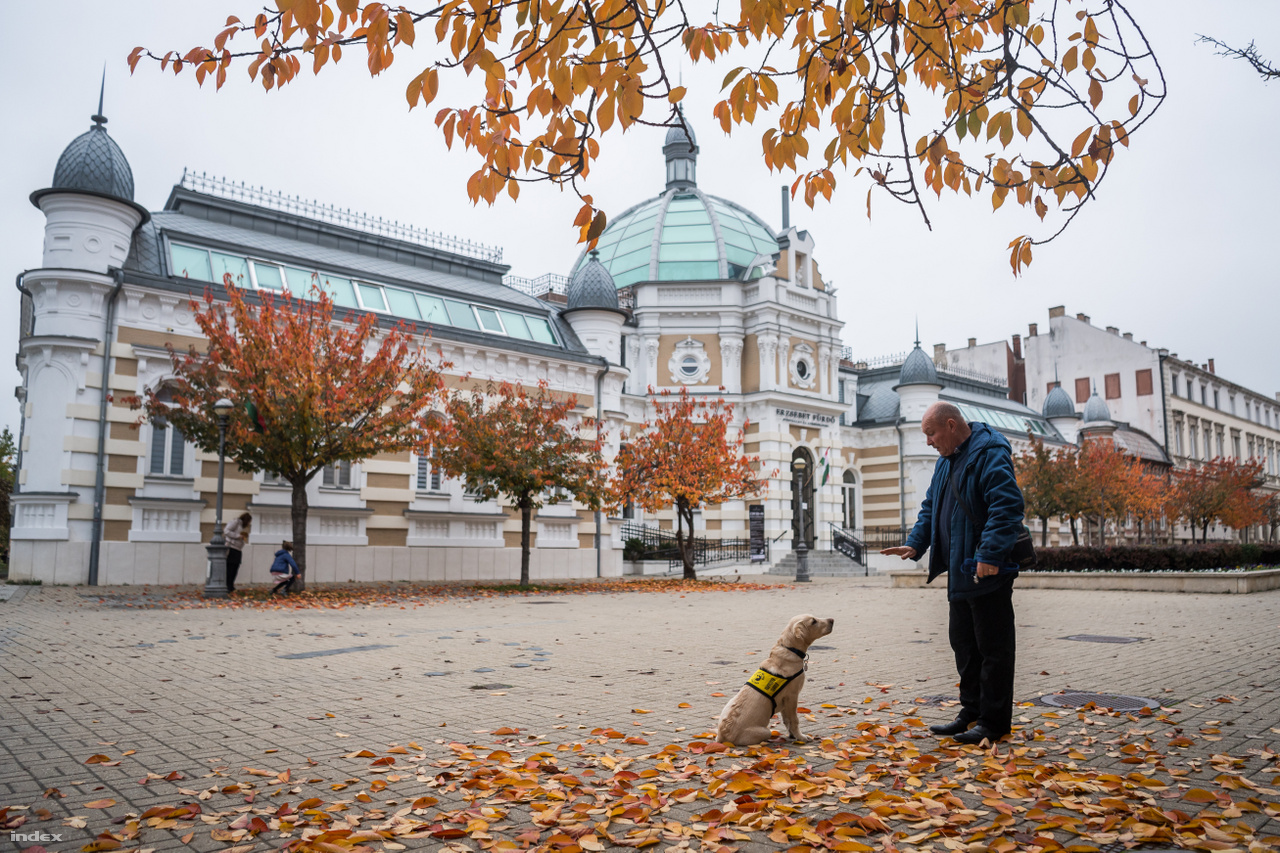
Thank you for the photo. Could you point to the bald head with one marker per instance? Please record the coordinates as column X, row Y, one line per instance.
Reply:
column 944, row 428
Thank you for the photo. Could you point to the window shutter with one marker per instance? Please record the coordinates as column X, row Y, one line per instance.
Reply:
column 328, row 476
column 424, row 473
column 1143, row 378
column 345, row 479
column 1112, row 382
column 1082, row 390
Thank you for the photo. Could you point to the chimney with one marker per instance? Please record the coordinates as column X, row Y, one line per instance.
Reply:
column 1211, row 370
column 1128, row 336
column 1112, row 329
column 1142, row 343
column 786, row 210
column 939, row 352
column 1059, row 311
column 1032, row 330
column 973, row 342
column 1017, row 346
column 1083, row 318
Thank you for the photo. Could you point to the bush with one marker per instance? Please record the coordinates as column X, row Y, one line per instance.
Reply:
column 1155, row 558
column 633, row 549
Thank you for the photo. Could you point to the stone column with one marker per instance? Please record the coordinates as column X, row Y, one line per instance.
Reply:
column 731, row 364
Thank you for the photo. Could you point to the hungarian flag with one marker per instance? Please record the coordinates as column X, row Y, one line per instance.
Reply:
column 255, row 418
column 826, row 465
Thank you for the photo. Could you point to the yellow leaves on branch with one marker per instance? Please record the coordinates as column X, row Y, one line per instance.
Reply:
column 557, row 77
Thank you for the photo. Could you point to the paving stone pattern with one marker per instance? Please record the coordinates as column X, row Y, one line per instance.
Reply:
column 199, row 689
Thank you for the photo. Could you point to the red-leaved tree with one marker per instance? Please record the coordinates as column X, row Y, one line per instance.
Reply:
column 309, row 391
column 685, row 457
column 510, row 442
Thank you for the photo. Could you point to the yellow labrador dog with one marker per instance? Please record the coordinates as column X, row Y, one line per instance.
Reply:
column 774, row 687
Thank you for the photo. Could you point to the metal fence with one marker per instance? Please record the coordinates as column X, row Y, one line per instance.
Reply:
column 875, row 538
column 659, row 544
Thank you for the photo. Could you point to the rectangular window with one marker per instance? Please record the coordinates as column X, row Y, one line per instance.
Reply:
column 300, row 281
column 1082, row 390
column 338, row 475
column 541, row 330
column 1204, row 395
column 429, row 479
column 1143, row 378
column 1193, row 434
column 402, row 303
column 460, row 315
column 340, row 290
column 371, row 297
column 1220, row 449
column 1112, row 383
column 233, row 265
column 188, row 262
column 267, row 276
column 168, row 450
column 489, row 320
column 1177, row 438
column 1235, row 446
column 1215, row 399
column 515, row 325
column 432, row 309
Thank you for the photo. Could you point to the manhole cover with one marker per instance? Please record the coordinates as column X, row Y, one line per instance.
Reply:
column 1102, row 638
column 520, row 665
column 435, row 674
column 483, row 669
column 723, row 662
column 1078, row 699
column 936, row 700
column 544, row 602
column 489, row 687
column 822, row 648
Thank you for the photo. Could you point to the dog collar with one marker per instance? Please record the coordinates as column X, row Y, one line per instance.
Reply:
column 797, row 653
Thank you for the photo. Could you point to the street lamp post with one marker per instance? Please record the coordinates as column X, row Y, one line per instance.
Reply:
column 215, row 585
column 802, row 541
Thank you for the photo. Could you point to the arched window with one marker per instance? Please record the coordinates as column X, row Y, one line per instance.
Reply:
column 168, row 445
column 849, row 494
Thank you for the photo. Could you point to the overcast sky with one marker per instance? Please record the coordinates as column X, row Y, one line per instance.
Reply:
column 1179, row 249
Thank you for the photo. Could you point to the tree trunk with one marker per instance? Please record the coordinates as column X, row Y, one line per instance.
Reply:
column 685, row 543
column 1044, row 532
column 299, row 519
column 1204, row 533
column 526, row 518
column 1102, row 531
column 1075, row 536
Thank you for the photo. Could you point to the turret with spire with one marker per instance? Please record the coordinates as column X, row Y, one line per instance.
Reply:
column 681, row 151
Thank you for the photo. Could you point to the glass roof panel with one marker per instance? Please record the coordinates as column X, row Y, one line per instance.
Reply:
column 741, row 257
column 688, row 234
column 685, row 202
column 688, row 271
column 687, row 252
column 632, row 243
column 622, row 279
column 640, row 257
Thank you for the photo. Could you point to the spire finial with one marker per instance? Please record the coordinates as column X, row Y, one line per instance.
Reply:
column 98, row 118
column 917, row 331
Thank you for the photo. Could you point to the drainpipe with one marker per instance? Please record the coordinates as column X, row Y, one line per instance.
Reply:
column 22, row 420
column 99, row 482
column 604, row 368
column 902, row 479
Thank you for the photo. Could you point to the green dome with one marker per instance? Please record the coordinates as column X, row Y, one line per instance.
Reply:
column 683, row 235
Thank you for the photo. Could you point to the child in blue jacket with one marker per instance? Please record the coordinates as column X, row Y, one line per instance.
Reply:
column 285, row 569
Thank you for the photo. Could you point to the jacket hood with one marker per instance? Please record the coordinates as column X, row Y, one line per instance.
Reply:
column 280, row 551
column 984, row 437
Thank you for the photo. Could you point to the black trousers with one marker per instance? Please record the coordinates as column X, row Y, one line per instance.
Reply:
column 233, row 567
column 983, row 638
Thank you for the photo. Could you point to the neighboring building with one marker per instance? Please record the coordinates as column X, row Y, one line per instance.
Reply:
column 1188, row 410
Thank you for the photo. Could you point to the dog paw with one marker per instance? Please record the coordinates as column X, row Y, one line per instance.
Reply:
column 798, row 738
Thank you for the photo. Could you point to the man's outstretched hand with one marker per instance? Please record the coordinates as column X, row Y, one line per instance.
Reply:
column 906, row 552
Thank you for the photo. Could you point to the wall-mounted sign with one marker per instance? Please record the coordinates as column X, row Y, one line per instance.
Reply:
column 797, row 416
column 755, row 517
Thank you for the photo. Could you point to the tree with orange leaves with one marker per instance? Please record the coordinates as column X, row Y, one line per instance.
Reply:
column 1243, row 506
column 1108, row 479
column 523, row 446
column 1218, row 491
column 909, row 97
column 685, row 458
column 309, row 391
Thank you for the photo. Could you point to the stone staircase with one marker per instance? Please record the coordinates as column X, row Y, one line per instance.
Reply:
column 822, row 564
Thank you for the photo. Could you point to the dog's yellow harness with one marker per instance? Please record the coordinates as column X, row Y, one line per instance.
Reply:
column 769, row 684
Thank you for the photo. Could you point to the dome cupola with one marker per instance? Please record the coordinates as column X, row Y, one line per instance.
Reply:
column 94, row 164
column 918, row 369
column 592, row 287
column 1058, row 404
column 1096, row 410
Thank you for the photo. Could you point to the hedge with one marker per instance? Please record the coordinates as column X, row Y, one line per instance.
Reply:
column 1155, row 558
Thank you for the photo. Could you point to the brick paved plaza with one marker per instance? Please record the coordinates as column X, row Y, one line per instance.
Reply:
column 213, row 693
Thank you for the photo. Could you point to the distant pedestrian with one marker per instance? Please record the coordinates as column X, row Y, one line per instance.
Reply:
column 969, row 521
column 284, row 569
column 236, row 534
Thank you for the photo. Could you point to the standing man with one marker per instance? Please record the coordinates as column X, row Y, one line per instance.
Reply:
column 969, row 520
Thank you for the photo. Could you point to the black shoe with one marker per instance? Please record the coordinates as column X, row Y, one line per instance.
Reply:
column 953, row 728
column 978, row 734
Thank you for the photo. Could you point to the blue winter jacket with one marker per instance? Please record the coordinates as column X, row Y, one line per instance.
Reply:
column 284, row 564
column 989, row 488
